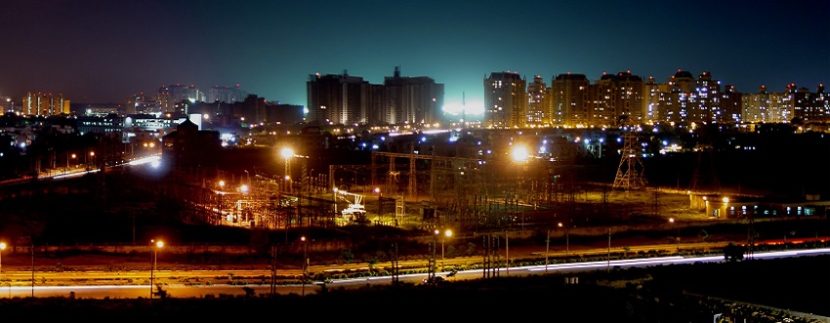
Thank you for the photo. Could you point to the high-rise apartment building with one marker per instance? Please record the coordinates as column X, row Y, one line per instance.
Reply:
column 730, row 105
column 505, row 101
column 705, row 100
column 338, row 99
column 227, row 94
column 44, row 104
column 569, row 95
column 170, row 95
column 538, row 102
column 651, row 100
column 412, row 100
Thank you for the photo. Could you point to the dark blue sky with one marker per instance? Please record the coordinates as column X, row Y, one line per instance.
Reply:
column 104, row 50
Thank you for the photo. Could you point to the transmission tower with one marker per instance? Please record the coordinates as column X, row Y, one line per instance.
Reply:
column 631, row 169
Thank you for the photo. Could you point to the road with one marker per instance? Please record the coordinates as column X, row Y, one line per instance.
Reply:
column 182, row 290
column 58, row 174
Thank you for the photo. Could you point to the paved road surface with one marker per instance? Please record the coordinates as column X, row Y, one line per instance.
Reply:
column 178, row 290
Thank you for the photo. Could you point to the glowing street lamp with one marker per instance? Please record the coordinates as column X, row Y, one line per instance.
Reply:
column 380, row 201
column 287, row 153
column 244, row 188
column 157, row 245
column 2, row 247
column 305, row 261
column 221, row 184
column 447, row 235
column 519, row 153
column 676, row 234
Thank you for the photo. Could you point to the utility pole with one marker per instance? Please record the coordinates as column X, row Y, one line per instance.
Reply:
column 431, row 274
column 608, row 268
column 486, row 256
column 507, row 252
column 547, row 249
column 273, row 270
column 33, row 269
column 395, row 264
column 305, row 261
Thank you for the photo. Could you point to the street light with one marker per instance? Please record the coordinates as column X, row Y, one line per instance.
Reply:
column 157, row 245
column 432, row 261
column 380, row 201
column 519, row 153
column 73, row 156
column 447, row 234
column 2, row 247
column 567, row 238
column 287, row 153
column 244, row 188
column 221, row 184
column 676, row 234
column 305, row 261
column 334, row 199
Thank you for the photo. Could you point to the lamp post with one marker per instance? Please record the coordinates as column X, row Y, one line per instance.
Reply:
column 676, row 234
column 287, row 153
column 220, row 201
column 157, row 245
column 447, row 234
column 547, row 247
column 431, row 274
column 334, row 199
column 68, row 157
column 2, row 247
column 305, row 261
column 380, row 202
column 567, row 238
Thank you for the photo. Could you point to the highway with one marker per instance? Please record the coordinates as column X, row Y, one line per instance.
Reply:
column 182, row 290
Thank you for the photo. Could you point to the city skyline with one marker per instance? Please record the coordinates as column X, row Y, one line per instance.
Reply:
column 270, row 50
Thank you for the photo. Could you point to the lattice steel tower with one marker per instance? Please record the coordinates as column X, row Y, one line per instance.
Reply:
column 631, row 169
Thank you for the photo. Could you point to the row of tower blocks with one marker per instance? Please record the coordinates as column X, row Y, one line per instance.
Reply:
column 623, row 98
column 345, row 99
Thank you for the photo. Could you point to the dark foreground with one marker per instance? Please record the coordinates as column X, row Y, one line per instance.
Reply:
column 755, row 291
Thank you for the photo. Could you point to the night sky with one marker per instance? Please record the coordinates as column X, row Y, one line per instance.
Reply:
column 105, row 50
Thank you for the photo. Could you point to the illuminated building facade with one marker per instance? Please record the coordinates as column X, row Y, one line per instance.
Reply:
column 226, row 94
column 651, row 100
column 614, row 98
column 569, row 95
column 410, row 100
column 44, row 104
column 538, row 102
column 705, row 100
column 505, row 102
column 170, row 95
column 731, row 104
column 338, row 99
